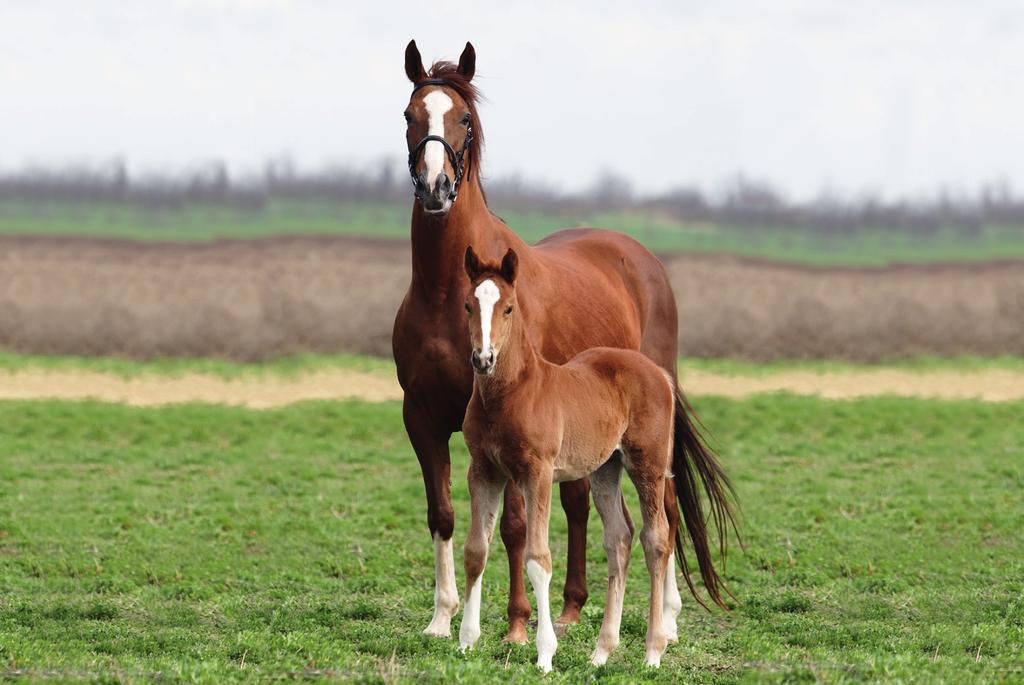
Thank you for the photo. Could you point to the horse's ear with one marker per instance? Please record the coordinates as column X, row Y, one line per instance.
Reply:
column 467, row 62
column 414, row 63
column 510, row 266
column 473, row 268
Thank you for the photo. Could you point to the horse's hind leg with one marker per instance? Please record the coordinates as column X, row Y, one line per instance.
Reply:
column 485, row 494
column 618, row 539
column 575, row 498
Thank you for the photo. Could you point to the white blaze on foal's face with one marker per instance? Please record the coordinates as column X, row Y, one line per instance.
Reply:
column 437, row 104
column 487, row 295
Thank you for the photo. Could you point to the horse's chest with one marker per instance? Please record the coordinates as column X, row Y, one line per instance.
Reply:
column 436, row 367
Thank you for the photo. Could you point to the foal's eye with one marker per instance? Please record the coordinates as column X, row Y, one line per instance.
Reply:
column 508, row 310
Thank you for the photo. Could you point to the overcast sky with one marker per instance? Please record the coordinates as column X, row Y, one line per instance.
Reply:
column 897, row 97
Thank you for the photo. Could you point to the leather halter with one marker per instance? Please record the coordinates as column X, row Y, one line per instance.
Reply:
column 457, row 159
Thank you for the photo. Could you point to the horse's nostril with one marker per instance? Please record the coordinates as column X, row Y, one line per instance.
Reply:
column 476, row 358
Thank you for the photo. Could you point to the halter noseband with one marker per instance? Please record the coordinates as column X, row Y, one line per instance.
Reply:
column 457, row 159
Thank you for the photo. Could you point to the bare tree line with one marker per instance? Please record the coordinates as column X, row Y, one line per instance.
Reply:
column 741, row 202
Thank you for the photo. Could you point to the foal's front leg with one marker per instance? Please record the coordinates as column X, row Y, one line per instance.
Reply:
column 485, row 488
column 537, row 493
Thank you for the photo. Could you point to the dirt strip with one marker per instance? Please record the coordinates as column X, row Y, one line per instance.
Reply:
column 263, row 392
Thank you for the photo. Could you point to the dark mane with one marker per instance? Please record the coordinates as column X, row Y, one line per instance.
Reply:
column 449, row 73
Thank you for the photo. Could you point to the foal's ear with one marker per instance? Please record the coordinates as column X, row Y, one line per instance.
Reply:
column 467, row 62
column 473, row 267
column 414, row 63
column 510, row 266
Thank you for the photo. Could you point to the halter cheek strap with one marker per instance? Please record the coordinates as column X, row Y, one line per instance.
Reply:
column 457, row 159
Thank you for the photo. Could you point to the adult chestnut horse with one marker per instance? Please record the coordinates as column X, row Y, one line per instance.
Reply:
column 582, row 288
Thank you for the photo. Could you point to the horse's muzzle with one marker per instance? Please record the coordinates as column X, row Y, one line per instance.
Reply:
column 436, row 198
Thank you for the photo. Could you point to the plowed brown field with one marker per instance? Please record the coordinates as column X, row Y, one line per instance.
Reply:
column 254, row 299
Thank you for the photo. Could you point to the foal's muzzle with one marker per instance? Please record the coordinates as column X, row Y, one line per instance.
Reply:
column 483, row 361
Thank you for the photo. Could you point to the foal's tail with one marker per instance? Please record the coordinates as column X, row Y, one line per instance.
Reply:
column 693, row 460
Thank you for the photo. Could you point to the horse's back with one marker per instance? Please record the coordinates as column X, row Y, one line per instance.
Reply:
column 622, row 262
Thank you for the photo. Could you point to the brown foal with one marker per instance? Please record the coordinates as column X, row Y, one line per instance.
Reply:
column 533, row 423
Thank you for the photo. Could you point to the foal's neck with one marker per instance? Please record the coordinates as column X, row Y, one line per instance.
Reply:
column 518, row 364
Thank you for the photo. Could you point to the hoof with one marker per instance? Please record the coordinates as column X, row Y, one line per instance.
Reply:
column 431, row 631
column 671, row 633
column 517, row 635
column 439, row 628
column 570, row 616
column 599, row 657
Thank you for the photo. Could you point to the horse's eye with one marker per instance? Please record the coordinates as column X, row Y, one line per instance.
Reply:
column 466, row 305
column 465, row 120
column 408, row 117
column 508, row 310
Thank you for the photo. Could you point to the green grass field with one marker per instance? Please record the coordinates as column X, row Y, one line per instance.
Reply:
column 295, row 366
column 864, row 248
column 884, row 542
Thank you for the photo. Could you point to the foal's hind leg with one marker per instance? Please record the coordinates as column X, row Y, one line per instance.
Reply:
column 618, row 539
column 513, row 534
column 648, row 475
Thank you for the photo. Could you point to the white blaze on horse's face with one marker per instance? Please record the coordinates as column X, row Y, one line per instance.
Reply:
column 438, row 104
column 487, row 294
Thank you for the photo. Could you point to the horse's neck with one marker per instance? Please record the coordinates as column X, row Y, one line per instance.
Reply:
column 439, row 242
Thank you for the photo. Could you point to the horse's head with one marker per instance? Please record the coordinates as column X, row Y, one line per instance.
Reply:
column 491, row 307
column 443, row 133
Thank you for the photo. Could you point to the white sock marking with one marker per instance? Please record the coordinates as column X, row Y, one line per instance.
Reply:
column 673, row 603
column 469, row 633
column 437, row 103
column 446, row 594
column 546, row 640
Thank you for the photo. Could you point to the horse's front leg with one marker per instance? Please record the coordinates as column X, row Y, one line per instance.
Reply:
column 575, row 497
column 485, row 486
column 431, row 447
column 537, row 493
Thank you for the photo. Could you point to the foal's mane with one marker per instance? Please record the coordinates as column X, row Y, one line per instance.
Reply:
column 449, row 73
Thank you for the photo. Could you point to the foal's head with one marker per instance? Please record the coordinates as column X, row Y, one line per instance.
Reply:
column 444, row 133
column 491, row 306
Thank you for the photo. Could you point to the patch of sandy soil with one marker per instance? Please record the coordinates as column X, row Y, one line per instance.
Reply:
column 264, row 392
column 992, row 385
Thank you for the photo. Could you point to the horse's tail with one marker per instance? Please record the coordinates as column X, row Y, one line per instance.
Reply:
column 693, row 460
